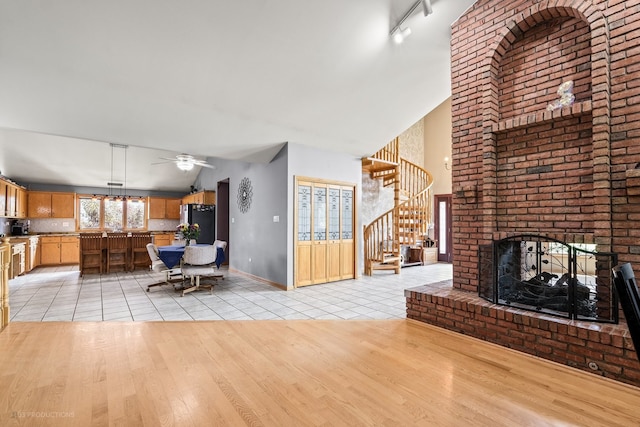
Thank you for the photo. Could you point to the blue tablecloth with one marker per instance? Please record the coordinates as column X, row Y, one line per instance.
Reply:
column 172, row 254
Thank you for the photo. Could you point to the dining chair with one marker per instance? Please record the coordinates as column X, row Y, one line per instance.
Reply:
column 117, row 251
column 158, row 266
column 91, row 252
column 221, row 249
column 199, row 261
column 139, row 256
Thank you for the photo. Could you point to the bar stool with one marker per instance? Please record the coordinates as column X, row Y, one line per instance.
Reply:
column 91, row 248
column 117, row 251
column 139, row 255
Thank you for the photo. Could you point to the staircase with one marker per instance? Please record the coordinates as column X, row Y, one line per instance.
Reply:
column 407, row 222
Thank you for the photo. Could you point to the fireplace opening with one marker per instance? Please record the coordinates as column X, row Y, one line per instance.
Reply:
column 549, row 276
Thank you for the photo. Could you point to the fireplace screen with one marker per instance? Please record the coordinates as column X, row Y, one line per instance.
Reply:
column 549, row 276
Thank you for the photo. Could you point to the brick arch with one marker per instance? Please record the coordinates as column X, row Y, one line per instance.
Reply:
column 514, row 28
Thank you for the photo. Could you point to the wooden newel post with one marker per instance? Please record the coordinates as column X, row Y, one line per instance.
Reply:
column 5, row 262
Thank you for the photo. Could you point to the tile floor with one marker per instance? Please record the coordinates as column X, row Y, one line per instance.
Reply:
column 60, row 294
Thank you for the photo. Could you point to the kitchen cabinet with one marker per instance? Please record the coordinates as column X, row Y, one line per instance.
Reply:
column 31, row 251
column 200, row 198
column 17, row 259
column 21, row 203
column 57, row 250
column 43, row 204
column 3, row 198
column 164, row 239
column 13, row 202
column 163, row 208
column 33, row 258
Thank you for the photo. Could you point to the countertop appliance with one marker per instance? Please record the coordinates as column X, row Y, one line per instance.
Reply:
column 204, row 216
column 19, row 228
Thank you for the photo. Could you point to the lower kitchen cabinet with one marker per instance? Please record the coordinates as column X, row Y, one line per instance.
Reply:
column 57, row 250
column 17, row 259
column 34, row 253
column 163, row 239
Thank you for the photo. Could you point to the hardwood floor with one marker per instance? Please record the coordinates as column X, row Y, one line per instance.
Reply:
column 289, row 373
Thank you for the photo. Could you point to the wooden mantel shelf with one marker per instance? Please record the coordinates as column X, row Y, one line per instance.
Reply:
column 575, row 110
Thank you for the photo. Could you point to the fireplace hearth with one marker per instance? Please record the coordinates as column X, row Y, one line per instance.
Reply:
column 545, row 275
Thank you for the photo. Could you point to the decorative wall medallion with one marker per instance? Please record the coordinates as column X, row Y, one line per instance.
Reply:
column 245, row 193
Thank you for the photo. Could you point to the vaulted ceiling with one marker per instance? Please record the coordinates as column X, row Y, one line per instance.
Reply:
column 229, row 79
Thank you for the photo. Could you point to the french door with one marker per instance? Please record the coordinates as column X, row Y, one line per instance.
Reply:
column 324, row 231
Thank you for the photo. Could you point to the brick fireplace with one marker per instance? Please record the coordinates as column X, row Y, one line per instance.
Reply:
column 568, row 174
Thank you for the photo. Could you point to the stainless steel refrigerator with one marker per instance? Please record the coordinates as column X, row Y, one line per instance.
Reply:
column 204, row 216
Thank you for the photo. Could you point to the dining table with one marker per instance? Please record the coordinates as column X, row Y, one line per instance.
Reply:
column 172, row 254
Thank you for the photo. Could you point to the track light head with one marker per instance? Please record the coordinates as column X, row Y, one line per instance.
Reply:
column 400, row 34
column 426, row 7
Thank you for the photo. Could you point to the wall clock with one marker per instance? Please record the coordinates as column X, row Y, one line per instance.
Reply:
column 245, row 193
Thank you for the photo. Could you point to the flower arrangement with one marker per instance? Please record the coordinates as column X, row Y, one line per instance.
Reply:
column 189, row 231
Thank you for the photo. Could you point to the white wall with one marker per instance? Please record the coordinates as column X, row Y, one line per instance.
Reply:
column 437, row 146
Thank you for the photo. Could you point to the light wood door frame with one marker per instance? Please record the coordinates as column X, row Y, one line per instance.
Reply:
column 326, row 260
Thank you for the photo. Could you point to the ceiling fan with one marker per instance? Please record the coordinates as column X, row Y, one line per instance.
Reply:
column 185, row 162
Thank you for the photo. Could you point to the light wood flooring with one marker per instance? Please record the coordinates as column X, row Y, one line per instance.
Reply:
column 289, row 373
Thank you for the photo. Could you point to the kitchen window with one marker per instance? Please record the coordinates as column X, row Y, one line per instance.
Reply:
column 109, row 214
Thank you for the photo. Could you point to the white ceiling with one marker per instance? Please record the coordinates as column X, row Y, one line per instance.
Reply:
column 228, row 79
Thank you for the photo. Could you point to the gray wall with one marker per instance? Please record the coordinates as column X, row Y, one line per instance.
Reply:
column 254, row 234
column 257, row 244
column 99, row 190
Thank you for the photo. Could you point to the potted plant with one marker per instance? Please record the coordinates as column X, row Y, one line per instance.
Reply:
column 189, row 232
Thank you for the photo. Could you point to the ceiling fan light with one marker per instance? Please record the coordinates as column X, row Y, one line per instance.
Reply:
column 184, row 165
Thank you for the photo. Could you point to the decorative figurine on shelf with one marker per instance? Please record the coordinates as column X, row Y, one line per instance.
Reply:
column 565, row 91
column 189, row 232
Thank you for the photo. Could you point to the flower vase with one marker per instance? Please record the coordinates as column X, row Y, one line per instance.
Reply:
column 187, row 242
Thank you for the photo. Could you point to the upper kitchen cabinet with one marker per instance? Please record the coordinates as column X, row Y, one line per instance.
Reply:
column 162, row 208
column 42, row 204
column 200, row 198
column 13, row 200
column 3, row 198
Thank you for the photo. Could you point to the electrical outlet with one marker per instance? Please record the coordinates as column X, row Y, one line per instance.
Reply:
column 276, row 218
column 249, row 259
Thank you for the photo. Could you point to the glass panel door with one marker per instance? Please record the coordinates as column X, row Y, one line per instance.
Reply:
column 347, row 214
column 319, row 213
column 443, row 226
column 304, row 213
column 442, row 235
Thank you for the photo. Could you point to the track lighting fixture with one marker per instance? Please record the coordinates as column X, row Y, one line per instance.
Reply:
column 398, row 33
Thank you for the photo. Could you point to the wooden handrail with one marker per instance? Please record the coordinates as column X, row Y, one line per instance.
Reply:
column 407, row 221
column 389, row 152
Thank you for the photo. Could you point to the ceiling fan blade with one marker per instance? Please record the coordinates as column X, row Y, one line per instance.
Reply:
column 163, row 163
column 166, row 158
column 206, row 165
